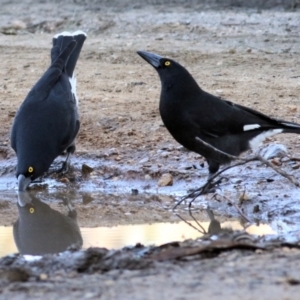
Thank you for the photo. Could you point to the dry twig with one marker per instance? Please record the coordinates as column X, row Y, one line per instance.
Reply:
column 240, row 161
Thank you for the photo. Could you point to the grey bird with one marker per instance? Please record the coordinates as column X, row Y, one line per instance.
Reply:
column 41, row 229
column 47, row 122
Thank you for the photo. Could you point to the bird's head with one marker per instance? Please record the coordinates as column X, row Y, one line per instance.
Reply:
column 26, row 173
column 161, row 64
column 25, row 177
column 169, row 70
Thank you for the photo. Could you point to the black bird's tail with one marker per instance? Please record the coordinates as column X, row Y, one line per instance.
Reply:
column 61, row 41
column 289, row 127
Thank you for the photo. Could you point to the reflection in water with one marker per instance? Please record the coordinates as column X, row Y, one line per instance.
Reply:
column 128, row 235
column 214, row 225
column 41, row 229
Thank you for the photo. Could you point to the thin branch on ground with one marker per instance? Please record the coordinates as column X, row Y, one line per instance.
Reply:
column 240, row 161
column 237, row 208
column 201, row 230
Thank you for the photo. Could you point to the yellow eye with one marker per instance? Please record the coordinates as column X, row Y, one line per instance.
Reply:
column 30, row 169
column 167, row 63
column 31, row 210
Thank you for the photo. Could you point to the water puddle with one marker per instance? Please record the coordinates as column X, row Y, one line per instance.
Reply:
column 115, row 211
column 55, row 223
column 113, row 237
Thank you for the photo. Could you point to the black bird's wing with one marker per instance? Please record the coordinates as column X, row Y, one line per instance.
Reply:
column 223, row 117
column 41, row 90
column 49, row 79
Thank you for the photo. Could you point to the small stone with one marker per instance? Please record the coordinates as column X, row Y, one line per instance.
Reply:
column 164, row 154
column 256, row 209
column 243, row 197
column 18, row 24
column 295, row 167
column 166, row 180
column 43, row 276
column 148, row 177
column 165, row 199
column 273, row 150
column 276, row 161
column 64, row 180
column 285, row 159
column 259, row 251
column 86, row 170
column 144, row 160
column 134, row 191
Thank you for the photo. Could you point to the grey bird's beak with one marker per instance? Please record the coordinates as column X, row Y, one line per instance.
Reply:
column 23, row 198
column 23, row 182
column 151, row 58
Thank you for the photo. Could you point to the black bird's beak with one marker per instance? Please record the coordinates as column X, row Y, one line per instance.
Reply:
column 151, row 58
column 23, row 182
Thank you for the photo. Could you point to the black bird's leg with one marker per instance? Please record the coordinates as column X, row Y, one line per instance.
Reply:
column 64, row 168
column 213, row 169
column 65, row 165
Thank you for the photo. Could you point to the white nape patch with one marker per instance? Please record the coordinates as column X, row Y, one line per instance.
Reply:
column 78, row 32
column 255, row 142
column 250, row 127
column 73, row 88
column 290, row 125
column 64, row 33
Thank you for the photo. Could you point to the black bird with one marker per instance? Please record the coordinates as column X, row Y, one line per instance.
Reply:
column 189, row 113
column 47, row 122
column 40, row 229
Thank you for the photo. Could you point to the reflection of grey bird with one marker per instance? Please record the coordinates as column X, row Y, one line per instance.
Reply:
column 214, row 225
column 47, row 122
column 190, row 114
column 41, row 229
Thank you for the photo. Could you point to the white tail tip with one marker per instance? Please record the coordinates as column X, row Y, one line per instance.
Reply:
column 67, row 33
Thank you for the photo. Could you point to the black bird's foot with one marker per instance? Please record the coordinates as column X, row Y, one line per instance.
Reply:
column 65, row 167
column 62, row 169
column 210, row 186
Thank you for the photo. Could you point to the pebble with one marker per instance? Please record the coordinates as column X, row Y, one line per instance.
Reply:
column 85, row 169
column 18, row 24
column 276, row 161
column 166, row 180
column 165, row 199
column 144, row 160
column 243, row 197
column 164, row 154
column 273, row 150
column 43, row 276
column 64, row 180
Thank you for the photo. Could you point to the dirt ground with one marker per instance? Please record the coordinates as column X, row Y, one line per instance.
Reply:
column 249, row 55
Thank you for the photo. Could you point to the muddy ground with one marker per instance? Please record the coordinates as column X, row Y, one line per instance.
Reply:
column 249, row 55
